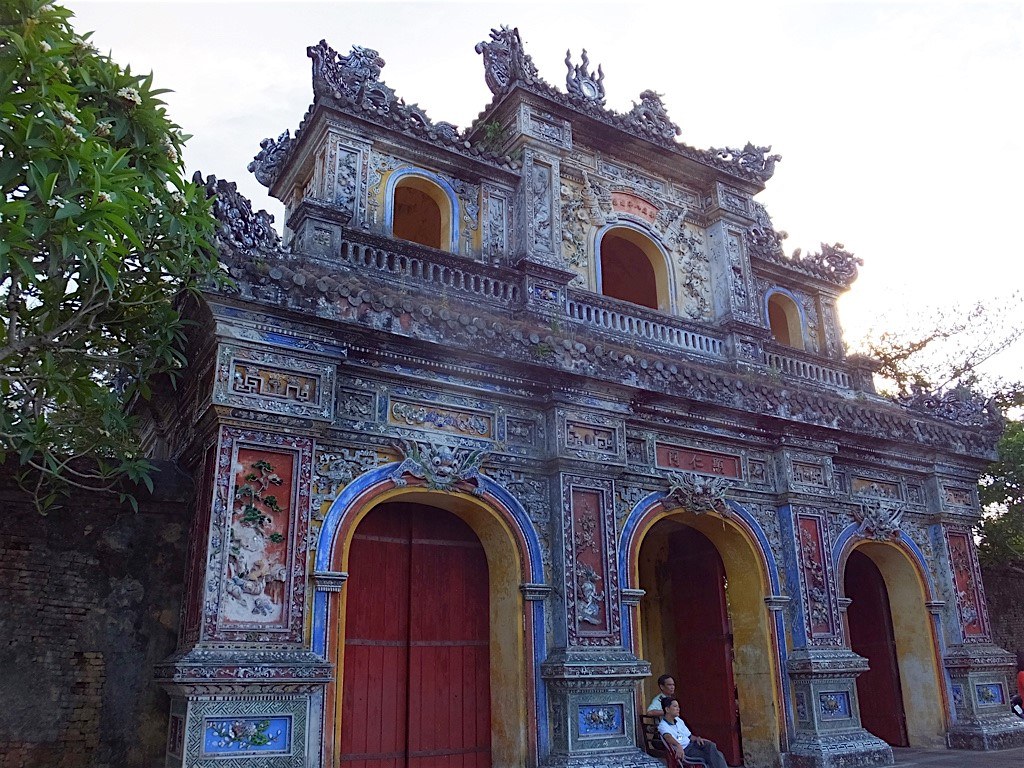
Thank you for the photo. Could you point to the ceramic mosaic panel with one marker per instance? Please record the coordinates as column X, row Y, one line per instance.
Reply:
column 834, row 705
column 990, row 694
column 409, row 413
column 247, row 736
column 600, row 720
column 261, row 732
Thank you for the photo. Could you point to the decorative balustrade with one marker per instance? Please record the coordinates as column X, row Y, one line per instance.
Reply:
column 630, row 320
column 801, row 368
column 426, row 267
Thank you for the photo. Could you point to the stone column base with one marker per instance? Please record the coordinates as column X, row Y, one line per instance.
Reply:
column 837, row 751
column 612, row 758
column 1005, row 733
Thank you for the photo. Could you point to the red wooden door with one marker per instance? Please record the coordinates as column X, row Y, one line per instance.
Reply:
column 704, row 675
column 871, row 636
column 416, row 691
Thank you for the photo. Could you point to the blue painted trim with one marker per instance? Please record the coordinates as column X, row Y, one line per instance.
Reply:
column 325, row 546
column 850, row 531
column 453, row 202
column 650, row 235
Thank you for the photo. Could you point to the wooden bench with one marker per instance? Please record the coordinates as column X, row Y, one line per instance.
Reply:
column 655, row 747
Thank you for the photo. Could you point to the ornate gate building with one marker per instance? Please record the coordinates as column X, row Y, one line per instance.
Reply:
column 516, row 418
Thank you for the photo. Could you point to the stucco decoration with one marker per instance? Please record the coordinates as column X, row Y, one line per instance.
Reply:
column 754, row 160
column 241, row 233
column 441, row 467
column 505, row 61
column 879, row 519
column 266, row 166
column 697, row 493
column 961, row 405
column 581, row 83
column 694, row 269
column 575, row 224
column 354, row 81
column 650, row 118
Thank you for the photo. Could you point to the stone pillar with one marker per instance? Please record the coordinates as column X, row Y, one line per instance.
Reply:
column 591, row 677
column 822, row 670
column 243, row 682
column 981, row 675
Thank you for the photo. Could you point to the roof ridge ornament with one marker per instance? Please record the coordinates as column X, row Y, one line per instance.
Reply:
column 266, row 165
column 505, row 61
column 754, row 160
column 960, row 404
column 650, row 117
column 579, row 82
column 352, row 76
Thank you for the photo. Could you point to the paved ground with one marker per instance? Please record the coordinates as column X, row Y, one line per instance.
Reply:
column 959, row 758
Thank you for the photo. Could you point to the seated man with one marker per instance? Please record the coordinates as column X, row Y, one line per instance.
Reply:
column 666, row 687
column 677, row 737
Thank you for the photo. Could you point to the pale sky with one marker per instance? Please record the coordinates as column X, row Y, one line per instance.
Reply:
column 899, row 124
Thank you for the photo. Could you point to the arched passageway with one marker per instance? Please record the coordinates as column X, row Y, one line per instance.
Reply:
column 901, row 697
column 430, row 637
column 703, row 619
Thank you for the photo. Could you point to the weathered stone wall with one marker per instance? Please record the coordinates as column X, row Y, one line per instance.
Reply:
column 1004, row 590
column 90, row 598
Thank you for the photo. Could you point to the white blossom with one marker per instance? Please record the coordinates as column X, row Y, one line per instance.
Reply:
column 67, row 116
column 130, row 95
column 57, row 202
column 102, row 129
column 153, row 199
column 44, row 46
column 104, row 197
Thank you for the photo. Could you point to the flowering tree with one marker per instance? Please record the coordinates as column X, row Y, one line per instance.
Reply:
column 99, row 236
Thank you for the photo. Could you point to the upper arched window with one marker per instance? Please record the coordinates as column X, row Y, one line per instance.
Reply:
column 420, row 211
column 784, row 320
column 632, row 268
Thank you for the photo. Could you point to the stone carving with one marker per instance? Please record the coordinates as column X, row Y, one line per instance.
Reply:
column 336, row 469
column 835, row 261
column 540, row 185
column 961, row 405
column 590, row 602
column 241, row 233
column 754, row 160
column 505, row 62
column 879, row 519
column 443, row 419
column 697, row 493
column 575, row 223
column 266, row 166
column 442, row 467
column 650, row 118
column 815, row 582
column 580, row 82
column 354, row 80
column 693, row 268
column 272, row 382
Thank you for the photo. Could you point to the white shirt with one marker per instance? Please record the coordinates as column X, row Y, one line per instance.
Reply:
column 676, row 730
column 656, row 703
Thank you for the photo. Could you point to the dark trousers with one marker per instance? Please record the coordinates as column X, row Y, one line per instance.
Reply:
column 708, row 752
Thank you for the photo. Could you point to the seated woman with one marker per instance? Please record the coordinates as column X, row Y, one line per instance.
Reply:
column 680, row 741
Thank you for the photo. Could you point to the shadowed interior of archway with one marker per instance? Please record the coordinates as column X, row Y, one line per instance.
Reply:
column 753, row 651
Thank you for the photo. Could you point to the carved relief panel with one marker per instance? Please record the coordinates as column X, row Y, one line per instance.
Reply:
column 591, row 580
column 970, row 593
column 817, row 582
column 274, row 383
column 590, row 437
column 542, row 219
column 255, row 589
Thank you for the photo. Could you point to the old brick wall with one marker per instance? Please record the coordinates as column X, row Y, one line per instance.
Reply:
column 1004, row 588
column 90, row 597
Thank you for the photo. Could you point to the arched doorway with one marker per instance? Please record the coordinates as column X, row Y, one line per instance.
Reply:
column 421, row 211
column 632, row 268
column 901, row 697
column 784, row 320
column 703, row 619
column 871, row 636
column 416, row 688
column 515, row 627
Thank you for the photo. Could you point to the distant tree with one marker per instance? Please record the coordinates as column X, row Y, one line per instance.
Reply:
column 946, row 351
column 99, row 234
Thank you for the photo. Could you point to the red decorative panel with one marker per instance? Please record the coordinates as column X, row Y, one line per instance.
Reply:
column 627, row 203
column 591, row 581
column 815, row 577
column 256, row 577
column 676, row 457
column 970, row 596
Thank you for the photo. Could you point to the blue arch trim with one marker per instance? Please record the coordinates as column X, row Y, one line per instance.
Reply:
column 650, row 235
column 851, row 530
column 322, row 562
column 449, row 191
